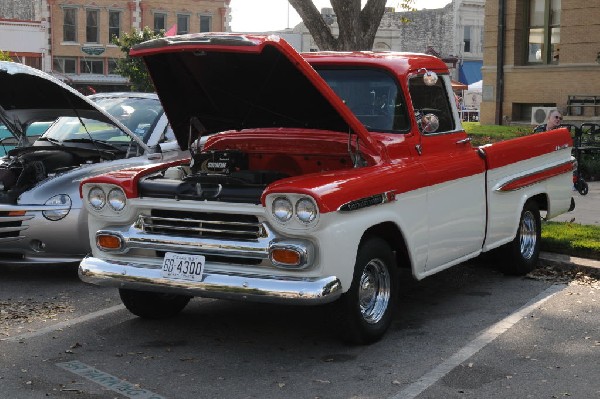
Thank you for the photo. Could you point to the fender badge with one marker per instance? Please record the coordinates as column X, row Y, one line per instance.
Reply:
column 376, row 199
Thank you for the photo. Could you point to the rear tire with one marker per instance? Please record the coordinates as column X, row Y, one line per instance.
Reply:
column 522, row 253
column 153, row 305
column 367, row 308
column 582, row 187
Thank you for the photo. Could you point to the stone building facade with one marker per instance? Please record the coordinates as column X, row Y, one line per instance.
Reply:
column 76, row 45
column 551, row 52
column 22, row 31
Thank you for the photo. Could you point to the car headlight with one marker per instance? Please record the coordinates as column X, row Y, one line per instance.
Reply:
column 58, row 200
column 306, row 210
column 282, row 209
column 117, row 199
column 97, row 198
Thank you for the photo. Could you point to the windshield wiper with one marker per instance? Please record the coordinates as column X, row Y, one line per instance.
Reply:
column 51, row 139
column 104, row 143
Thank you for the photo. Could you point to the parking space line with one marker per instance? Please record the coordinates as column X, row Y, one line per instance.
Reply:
column 108, row 381
column 437, row 373
column 64, row 324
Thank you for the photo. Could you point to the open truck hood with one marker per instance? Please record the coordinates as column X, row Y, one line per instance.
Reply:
column 213, row 82
column 29, row 95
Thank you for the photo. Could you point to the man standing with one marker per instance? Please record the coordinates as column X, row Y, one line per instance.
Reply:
column 553, row 121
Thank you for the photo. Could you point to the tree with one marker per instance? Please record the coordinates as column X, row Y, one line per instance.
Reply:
column 357, row 27
column 5, row 56
column 134, row 67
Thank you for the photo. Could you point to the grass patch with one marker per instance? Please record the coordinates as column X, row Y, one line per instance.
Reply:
column 572, row 239
column 487, row 134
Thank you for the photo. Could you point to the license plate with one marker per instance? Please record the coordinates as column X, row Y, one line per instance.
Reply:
column 183, row 266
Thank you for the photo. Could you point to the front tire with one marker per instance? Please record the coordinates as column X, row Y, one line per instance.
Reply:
column 522, row 254
column 368, row 307
column 153, row 305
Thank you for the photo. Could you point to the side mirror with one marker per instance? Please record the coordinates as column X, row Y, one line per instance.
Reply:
column 430, row 123
column 430, row 78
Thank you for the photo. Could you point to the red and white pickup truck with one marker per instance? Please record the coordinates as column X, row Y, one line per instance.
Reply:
column 324, row 174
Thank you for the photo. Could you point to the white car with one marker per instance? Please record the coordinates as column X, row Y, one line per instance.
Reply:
column 41, row 215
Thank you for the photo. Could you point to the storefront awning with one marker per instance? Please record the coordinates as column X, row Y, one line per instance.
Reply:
column 470, row 71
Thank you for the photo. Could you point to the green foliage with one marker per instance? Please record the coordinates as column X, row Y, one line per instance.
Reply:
column 4, row 56
column 134, row 67
column 487, row 134
column 590, row 165
column 571, row 239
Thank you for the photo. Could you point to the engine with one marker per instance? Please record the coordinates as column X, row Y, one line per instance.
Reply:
column 215, row 175
column 24, row 171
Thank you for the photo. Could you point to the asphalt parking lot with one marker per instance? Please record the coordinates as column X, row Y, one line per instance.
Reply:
column 467, row 332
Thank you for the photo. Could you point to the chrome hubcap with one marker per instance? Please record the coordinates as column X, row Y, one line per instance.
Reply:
column 528, row 235
column 374, row 291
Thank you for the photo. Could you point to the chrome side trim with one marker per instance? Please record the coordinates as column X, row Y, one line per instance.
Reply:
column 237, row 286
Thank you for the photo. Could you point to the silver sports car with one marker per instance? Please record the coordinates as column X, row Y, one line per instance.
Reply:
column 41, row 215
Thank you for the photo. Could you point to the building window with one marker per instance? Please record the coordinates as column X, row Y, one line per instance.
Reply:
column 91, row 66
column 63, row 65
column 112, row 66
column 183, row 24
column 543, row 31
column 467, row 39
column 205, row 23
column 70, row 24
column 160, row 22
column 91, row 26
column 114, row 25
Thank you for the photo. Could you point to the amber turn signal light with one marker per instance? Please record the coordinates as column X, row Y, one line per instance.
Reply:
column 285, row 256
column 108, row 242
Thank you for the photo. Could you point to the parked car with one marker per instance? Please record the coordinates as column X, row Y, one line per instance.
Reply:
column 332, row 171
column 41, row 214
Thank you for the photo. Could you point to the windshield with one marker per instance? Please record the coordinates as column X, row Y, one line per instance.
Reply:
column 140, row 115
column 33, row 131
column 372, row 95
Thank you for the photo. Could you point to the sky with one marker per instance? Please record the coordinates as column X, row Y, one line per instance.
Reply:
column 266, row 15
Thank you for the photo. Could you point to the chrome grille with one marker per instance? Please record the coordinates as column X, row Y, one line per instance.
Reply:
column 11, row 224
column 201, row 224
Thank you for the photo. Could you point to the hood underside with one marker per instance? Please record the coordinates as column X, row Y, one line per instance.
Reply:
column 211, row 83
column 28, row 95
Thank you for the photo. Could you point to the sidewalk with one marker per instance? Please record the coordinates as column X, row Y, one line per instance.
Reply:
column 587, row 211
column 587, row 207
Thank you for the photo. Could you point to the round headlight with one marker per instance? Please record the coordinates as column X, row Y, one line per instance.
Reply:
column 62, row 200
column 116, row 199
column 282, row 209
column 306, row 210
column 97, row 198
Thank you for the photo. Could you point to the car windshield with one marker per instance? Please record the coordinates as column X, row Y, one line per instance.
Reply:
column 33, row 131
column 372, row 95
column 140, row 115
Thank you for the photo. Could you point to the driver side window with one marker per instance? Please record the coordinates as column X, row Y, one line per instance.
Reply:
column 427, row 100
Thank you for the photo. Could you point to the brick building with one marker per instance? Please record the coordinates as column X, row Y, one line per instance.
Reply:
column 547, row 57
column 76, row 45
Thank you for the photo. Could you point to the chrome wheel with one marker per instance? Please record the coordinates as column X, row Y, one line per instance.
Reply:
column 528, row 234
column 374, row 291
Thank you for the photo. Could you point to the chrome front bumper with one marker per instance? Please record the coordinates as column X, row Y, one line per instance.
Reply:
column 237, row 286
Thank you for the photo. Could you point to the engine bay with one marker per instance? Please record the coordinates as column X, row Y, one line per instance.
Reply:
column 24, row 168
column 234, row 175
